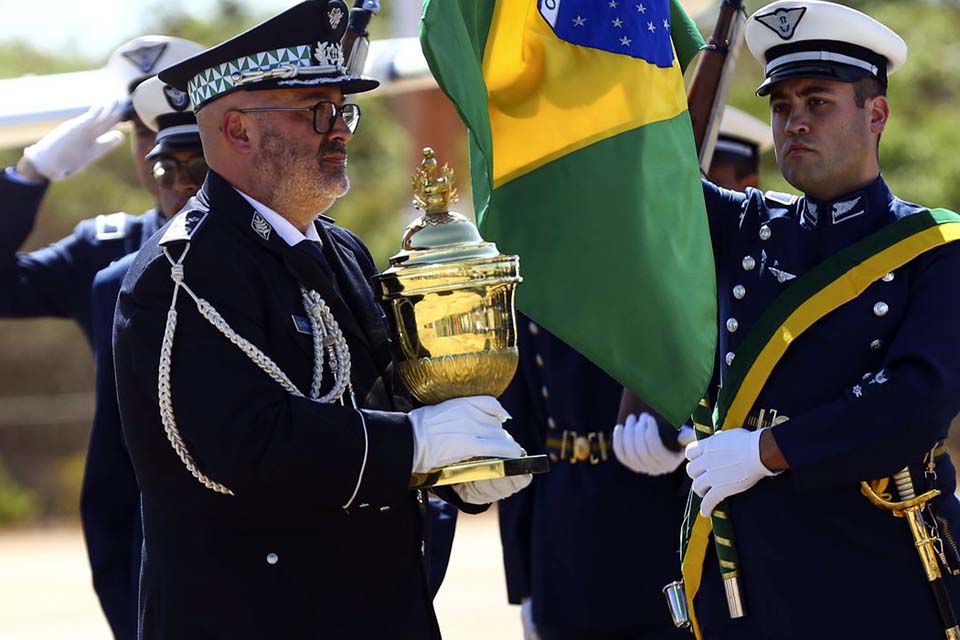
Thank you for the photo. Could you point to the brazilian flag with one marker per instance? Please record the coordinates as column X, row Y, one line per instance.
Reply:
column 583, row 163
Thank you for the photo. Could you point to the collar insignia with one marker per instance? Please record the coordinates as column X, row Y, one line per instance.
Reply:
column 810, row 215
column 335, row 15
column 783, row 22
column 261, row 226
column 145, row 58
column 847, row 209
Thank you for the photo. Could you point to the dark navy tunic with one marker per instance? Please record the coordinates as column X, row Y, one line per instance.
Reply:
column 56, row 280
column 591, row 542
column 866, row 391
column 281, row 558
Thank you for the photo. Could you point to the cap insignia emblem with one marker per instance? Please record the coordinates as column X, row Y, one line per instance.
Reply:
column 145, row 58
column 335, row 15
column 178, row 100
column 261, row 226
column 783, row 22
column 329, row 54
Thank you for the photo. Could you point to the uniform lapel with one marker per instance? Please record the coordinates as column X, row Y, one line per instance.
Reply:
column 218, row 194
column 357, row 291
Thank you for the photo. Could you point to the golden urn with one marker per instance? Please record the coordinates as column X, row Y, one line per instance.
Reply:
column 450, row 295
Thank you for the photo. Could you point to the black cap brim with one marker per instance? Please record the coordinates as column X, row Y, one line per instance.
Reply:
column 827, row 70
column 174, row 143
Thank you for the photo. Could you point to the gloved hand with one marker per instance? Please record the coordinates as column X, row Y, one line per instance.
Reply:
column 638, row 447
column 458, row 429
column 725, row 464
column 526, row 617
column 74, row 144
column 487, row 491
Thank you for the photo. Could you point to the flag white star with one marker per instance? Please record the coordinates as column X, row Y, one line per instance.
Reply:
column 618, row 23
column 650, row 27
column 666, row 24
column 625, row 41
column 641, row 8
column 613, row 4
column 579, row 21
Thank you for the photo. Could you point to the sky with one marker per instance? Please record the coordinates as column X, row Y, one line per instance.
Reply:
column 94, row 28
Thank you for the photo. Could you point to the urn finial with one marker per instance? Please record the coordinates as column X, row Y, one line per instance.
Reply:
column 433, row 186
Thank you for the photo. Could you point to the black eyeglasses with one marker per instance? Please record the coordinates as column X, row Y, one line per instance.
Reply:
column 165, row 171
column 324, row 114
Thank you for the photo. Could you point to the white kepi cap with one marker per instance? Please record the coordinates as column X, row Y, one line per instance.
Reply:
column 814, row 39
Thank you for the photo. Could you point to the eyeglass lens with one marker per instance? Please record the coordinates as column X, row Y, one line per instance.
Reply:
column 325, row 115
column 165, row 171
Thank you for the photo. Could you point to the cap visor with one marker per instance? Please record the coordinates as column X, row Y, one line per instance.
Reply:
column 835, row 72
column 171, row 144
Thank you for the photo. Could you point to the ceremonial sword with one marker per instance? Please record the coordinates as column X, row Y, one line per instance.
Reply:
column 911, row 508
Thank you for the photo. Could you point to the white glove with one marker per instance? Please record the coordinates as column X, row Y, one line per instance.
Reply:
column 725, row 464
column 458, row 429
column 74, row 144
column 526, row 617
column 638, row 446
column 488, row 491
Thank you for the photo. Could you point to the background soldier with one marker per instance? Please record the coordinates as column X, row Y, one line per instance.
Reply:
column 274, row 476
column 55, row 281
column 110, row 497
column 569, row 546
column 867, row 390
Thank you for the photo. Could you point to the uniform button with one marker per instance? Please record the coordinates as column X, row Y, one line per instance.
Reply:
column 749, row 263
column 765, row 232
column 875, row 345
column 539, row 360
column 729, row 358
column 544, row 392
column 732, row 325
column 739, row 291
column 888, row 277
column 551, row 423
column 272, row 558
column 880, row 309
column 534, row 329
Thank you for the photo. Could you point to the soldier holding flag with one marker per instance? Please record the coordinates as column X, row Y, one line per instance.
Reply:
column 838, row 360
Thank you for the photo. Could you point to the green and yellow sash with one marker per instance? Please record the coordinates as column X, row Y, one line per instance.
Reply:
column 813, row 296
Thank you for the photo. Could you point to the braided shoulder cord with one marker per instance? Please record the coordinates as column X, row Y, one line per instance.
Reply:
column 326, row 333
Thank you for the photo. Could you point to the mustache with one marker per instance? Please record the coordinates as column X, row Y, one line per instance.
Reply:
column 333, row 146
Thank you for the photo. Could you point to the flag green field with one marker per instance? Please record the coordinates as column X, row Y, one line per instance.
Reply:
column 583, row 163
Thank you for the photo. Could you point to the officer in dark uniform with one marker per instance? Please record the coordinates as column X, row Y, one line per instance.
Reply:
column 579, row 564
column 55, row 280
column 839, row 362
column 268, row 433
column 110, row 498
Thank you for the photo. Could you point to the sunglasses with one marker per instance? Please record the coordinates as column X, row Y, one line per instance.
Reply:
column 165, row 171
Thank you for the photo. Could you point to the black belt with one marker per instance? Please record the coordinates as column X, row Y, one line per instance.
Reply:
column 593, row 447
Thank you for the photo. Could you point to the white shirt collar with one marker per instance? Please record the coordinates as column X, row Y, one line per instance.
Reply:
column 290, row 234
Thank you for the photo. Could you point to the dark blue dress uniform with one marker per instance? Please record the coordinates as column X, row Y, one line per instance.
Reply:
column 56, row 280
column 281, row 558
column 866, row 391
column 592, row 542
column 111, row 499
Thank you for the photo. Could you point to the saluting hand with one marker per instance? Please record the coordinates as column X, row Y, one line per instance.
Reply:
column 74, row 144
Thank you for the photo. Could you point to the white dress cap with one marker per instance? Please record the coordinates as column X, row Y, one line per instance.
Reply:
column 811, row 38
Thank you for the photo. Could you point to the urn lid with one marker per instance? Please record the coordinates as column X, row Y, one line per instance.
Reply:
column 440, row 235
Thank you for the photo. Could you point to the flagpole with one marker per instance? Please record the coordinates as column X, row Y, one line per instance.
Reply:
column 706, row 99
